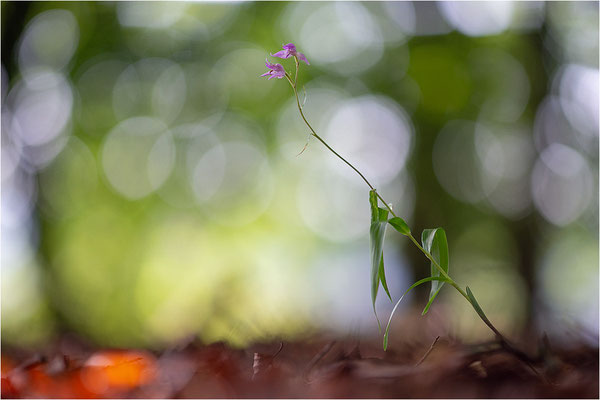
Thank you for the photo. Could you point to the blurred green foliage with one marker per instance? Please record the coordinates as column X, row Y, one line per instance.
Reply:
column 151, row 189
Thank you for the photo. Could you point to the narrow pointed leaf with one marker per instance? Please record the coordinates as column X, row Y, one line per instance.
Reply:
column 435, row 242
column 430, row 302
column 377, row 232
column 374, row 206
column 382, row 278
column 400, row 225
column 414, row 285
column 477, row 307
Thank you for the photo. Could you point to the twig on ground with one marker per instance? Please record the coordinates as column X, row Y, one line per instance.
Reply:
column 428, row 351
column 278, row 351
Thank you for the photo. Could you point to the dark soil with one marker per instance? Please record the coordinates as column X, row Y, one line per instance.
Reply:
column 319, row 368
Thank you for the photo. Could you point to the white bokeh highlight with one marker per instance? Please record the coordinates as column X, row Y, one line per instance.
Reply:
column 478, row 18
column 138, row 156
column 562, row 184
column 49, row 41
column 343, row 36
column 374, row 133
column 36, row 119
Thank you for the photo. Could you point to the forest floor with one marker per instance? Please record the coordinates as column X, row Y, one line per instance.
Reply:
column 316, row 368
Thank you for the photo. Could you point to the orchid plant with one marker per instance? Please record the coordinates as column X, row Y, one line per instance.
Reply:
column 433, row 245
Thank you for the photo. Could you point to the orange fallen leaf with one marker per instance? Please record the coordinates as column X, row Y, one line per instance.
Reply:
column 118, row 370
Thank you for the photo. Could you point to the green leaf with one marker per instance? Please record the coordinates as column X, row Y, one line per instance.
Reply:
column 378, row 225
column 400, row 225
column 435, row 242
column 414, row 285
column 374, row 206
column 383, row 280
column 477, row 307
column 430, row 302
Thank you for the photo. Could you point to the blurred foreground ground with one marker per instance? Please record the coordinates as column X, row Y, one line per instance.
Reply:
column 319, row 367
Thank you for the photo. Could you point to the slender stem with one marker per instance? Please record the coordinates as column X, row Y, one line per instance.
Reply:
column 297, row 68
column 320, row 139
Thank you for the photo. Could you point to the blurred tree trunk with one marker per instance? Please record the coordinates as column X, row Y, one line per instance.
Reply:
column 14, row 15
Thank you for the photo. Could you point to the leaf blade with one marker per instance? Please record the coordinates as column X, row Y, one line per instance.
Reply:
column 400, row 225
column 374, row 205
column 377, row 235
column 436, row 243
column 430, row 302
column 477, row 307
column 383, row 280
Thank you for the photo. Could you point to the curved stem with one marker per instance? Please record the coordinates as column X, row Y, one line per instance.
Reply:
column 297, row 68
column 320, row 139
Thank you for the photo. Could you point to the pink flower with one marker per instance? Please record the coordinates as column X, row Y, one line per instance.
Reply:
column 275, row 70
column 288, row 51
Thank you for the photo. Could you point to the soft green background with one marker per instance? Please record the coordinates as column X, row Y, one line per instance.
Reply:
column 152, row 187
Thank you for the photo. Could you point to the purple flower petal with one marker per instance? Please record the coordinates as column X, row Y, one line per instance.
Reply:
column 269, row 65
column 281, row 54
column 291, row 47
column 275, row 70
column 290, row 50
column 302, row 57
